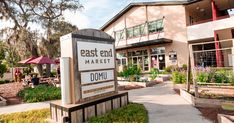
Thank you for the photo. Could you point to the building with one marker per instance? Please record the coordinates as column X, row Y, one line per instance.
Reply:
column 160, row 34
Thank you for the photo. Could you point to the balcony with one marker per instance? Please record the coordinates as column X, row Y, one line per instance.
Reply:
column 205, row 29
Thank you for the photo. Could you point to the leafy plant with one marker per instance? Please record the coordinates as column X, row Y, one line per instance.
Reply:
column 179, row 77
column 132, row 113
column 40, row 93
column 153, row 73
column 170, row 69
column 3, row 69
column 132, row 72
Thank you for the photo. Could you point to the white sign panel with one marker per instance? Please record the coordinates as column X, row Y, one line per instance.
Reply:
column 95, row 56
column 97, row 89
column 97, row 76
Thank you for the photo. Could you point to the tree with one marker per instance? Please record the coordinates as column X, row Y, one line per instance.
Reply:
column 19, row 36
column 59, row 28
column 49, row 11
column 3, row 67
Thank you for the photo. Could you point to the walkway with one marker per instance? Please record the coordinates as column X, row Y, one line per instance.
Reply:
column 165, row 106
column 24, row 107
column 162, row 103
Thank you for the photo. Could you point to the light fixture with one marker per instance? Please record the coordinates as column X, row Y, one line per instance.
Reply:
column 160, row 58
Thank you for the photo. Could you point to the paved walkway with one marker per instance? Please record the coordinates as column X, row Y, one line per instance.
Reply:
column 23, row 107
column 165, row 106
column 162, row 103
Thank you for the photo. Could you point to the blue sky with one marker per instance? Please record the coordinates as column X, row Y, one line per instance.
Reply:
column 98, row 12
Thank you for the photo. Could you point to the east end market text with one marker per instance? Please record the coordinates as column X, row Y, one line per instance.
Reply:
column 104, row 54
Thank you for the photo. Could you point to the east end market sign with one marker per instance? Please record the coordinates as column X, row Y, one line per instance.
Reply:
column 96, row 63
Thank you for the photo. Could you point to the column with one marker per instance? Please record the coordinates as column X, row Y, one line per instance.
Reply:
column 219, row 60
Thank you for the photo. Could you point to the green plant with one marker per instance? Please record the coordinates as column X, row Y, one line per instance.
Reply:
column 153, row 73
column 132, row 113
column 3, row 69
column 132, row 72
column 171, row 68
column 40, row 93
column 27, row 71
column 184, row 66
column 203, row 77
column 4, row 81
column 34, row 116
column 179, row 77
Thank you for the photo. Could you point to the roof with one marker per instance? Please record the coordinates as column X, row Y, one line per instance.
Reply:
column 159, row 3
column 145, row 43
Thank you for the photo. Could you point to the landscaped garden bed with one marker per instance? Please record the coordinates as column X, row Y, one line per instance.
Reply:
column 40, row 93
column 132, row 113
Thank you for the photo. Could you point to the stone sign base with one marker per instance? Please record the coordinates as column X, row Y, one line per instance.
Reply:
column 79, row 113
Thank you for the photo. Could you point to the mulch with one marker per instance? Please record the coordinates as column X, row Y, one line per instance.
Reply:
column 212, row 113
column 128, row 87
column 9, row 92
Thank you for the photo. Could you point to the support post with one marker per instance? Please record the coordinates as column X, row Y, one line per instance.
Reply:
column 219, row 60
column 65, row 80
column 193, row 71
column 188, row 73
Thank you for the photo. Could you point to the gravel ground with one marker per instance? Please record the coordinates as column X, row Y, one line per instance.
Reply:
column 9, row 92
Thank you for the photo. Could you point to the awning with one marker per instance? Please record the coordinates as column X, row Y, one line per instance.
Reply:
column 145, row 43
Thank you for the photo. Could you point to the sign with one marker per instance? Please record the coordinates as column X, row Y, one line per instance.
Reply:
column 97, row 89
column 97, row 76
column 96, row 63
column 95, row 56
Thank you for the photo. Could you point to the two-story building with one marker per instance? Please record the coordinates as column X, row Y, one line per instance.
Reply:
column 158, row 34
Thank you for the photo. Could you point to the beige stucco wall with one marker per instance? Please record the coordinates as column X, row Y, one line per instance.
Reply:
column 174, row 27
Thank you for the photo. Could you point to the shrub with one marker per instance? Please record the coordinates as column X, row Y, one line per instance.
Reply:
column 4, row 81
column 179, row 77
column 34, row 116
column 3, row 69
column 132, row 72
column 132, row 113
column 170, row 69
column 154, row 73
column 40, row 93
column 184, row 66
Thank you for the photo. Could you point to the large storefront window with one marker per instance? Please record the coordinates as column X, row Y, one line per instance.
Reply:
column 158, row 58
column 206, row 55
column 139, row 58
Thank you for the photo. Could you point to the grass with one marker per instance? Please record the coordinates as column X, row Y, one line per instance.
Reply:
column 34, row 116
column 40, row 93
column 132, row 113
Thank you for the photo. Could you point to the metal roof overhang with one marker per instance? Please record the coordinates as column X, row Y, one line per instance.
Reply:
column 145, row 43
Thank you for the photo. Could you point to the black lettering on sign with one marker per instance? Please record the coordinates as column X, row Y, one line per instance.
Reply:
column 98, row 76
column 89, row 53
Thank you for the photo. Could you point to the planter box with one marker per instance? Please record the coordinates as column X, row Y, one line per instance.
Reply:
column 143, row 84
column 222, row 118
column 2, row 101
column 179, row 86
column 202, row 102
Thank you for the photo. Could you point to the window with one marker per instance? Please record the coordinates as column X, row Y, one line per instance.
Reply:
column 136, row 31
column 130, row 33
column 119, row 35
column 155, row 26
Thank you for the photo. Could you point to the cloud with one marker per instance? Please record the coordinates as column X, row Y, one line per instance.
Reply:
column 77, row 18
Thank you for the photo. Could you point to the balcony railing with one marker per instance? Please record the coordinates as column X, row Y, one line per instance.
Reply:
column 209, row 20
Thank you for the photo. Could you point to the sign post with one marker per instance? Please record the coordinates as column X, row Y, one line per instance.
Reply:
column 89, row 85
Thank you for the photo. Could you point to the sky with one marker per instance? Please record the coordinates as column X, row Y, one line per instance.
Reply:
column 97, row 12
column 94, row 14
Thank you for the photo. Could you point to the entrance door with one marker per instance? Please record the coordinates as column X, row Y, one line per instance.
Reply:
column 161, row 59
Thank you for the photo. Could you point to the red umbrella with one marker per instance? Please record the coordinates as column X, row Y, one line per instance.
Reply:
column 57, row 61
column 42, row 60
column 26, row 60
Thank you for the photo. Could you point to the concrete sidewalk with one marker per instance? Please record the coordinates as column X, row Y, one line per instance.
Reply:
column 165, row 106
column 162, row 103
column 24, row 107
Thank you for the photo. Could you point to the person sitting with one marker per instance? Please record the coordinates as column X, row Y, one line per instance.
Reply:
column 35, row 80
